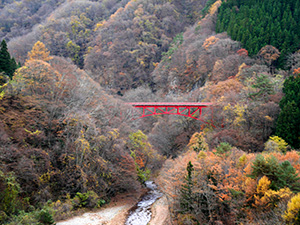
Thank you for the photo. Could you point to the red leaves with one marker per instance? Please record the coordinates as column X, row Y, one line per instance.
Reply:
column 242, row 52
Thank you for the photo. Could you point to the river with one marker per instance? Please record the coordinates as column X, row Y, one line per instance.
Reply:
column 141, row 213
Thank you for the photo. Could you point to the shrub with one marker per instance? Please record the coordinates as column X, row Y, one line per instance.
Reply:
column 280, row 174
column 101, row 202
column 80, row 200
column 25, row 218
column 276, row 144
column 292, row 215
column 3, row 216
column 62, row 210
column 9, row 191
column 89, row 200
column 223, row 148
column 45, row 217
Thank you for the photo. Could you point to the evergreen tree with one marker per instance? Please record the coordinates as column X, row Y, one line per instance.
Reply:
column 186, row 199
column 13, row 67
column 6, row 64
column 271, row 22
column 280, row 174
column 288, row 122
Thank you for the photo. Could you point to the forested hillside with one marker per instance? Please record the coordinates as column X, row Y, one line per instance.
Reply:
column 68, row 141
column 257, row 24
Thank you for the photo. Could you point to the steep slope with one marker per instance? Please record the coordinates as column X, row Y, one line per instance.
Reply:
column 259, row 23
column 19, row 17
column 66, row 30
column 129, row 45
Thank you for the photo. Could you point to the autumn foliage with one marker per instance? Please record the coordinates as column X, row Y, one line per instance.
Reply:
column 228, row 188
column 68, row 141
column 60, row 139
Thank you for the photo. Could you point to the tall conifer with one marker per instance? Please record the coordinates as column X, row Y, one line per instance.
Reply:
column 288, row 123
column 7, row 64
column 186, row 200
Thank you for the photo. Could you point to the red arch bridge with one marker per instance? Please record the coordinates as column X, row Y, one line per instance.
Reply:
column 188, row 109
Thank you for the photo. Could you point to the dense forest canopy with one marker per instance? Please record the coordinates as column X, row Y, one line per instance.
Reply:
column 69, row 143
column 258, row 23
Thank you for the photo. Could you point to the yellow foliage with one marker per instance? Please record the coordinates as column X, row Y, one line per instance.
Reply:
column 82, row 142
column 45, row 178
column 269, row 198
column 198, row 142
column 114, row 133
column 1, row 95
column 263, row 185
column 282, row 145
column 242, row 160
column 39, row 52
column 213, row 9
column 241, row 67
column 37, row 132
column 99, row 25
column 202, row 155
column 238, row 111
column 292, row 213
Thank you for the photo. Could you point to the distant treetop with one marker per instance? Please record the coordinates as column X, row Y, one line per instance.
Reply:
column 39, row 52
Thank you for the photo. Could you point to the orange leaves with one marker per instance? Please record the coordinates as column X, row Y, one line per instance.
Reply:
column 210, row 41
column 226, row 179
column 291, row 156
column 296, row 71
column 269, row 54
column 116, row 14
column 223, row 88
column 39, row 52
column 39, row 80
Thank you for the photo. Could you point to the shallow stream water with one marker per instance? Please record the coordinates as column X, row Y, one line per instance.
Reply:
column 141, row 213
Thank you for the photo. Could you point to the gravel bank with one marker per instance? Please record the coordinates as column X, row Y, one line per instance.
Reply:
column 102, row 217
column 113, row 214
column 160, row 212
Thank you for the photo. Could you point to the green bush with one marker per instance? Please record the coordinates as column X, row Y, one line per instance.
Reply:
column 3, row 217
column 25, row 218
column 280, row 174
column 9, row 191
column 101, row 202
column 45, row 217
column 143, row 175
column 223, row 148
column 89, row 200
